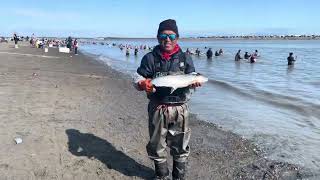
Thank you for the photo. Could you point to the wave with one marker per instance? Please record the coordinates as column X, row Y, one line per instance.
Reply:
column 298, row 105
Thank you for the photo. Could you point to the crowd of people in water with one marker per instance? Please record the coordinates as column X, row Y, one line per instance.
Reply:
column 128, row 49
column 252, row 58
column 249, row 57
column 73, row 45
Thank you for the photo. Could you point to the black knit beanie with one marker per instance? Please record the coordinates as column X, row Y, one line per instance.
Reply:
column 168, row 24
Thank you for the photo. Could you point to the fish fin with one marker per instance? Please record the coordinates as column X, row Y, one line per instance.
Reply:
column 172, row 90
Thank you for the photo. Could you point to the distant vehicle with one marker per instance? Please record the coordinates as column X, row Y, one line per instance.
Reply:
column 2, row 39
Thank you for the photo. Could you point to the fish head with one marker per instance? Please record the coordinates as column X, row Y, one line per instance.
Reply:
column 200, row 78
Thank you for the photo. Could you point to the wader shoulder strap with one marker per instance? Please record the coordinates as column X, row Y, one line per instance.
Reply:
column 157, row 64
column 182, row 61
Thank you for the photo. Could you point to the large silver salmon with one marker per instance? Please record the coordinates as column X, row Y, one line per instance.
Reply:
column 178, row 81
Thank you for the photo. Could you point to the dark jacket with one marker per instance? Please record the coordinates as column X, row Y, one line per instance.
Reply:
column 237, row 57
column 147, row 69
column 291, row 60
column 246, row 56
column 209, row 53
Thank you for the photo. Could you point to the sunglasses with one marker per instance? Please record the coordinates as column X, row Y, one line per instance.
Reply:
column 172, row 37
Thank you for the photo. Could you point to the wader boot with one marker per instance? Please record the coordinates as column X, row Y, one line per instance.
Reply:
column 179, row 170
column 161, row 170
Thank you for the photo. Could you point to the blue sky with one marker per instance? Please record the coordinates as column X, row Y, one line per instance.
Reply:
column 140, row 18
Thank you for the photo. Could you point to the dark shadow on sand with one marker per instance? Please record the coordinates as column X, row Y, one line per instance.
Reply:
column 84, row 144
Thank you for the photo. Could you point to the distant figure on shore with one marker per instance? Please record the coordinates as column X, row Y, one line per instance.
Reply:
column 31, row 42
column 238, row 56
column 197, row 52
column 221, row 52
column 127, row 52
column 16, row 39
column 246, row 55
column 209, row 53
column 136, row 50
column 216, row 54
column 69, row 43
column 75, row 45
column 291, row 59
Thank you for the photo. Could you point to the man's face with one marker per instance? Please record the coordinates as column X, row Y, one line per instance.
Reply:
column 167, row 40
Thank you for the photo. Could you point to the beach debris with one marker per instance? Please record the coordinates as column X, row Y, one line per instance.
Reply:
column 99, row 171
column 34, row 74
column 123, row 149
column 42, row 172
column 18, row 140
column 64, row 50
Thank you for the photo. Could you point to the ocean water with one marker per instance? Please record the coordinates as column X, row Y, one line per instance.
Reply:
column 275, row 106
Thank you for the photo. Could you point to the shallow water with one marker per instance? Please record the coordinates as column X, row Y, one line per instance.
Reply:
column 275, row 106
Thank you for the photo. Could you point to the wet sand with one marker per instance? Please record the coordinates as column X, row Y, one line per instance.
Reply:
column 79, row 119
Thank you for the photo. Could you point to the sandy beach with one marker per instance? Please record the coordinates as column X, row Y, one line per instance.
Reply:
column 80, row 119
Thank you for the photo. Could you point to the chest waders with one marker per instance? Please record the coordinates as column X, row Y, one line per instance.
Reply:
column 168, row 126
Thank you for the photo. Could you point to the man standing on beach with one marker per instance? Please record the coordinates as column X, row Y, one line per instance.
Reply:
column 168, row 113
column 69, row 43
column 15, row 39
column 75, row 46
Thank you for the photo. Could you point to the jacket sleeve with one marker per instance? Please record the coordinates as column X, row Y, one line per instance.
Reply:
column 144, row 71
column 189, row 65
column 146, row 66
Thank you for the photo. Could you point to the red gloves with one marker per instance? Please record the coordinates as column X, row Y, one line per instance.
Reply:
column 194, row 85
column 146, row 85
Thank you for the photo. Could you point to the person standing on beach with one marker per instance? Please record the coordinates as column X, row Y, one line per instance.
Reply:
column 291, row 59
column 69, row 43
column 33, row 40
column 168, row 113
column 75, row 45
column 16, row 39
